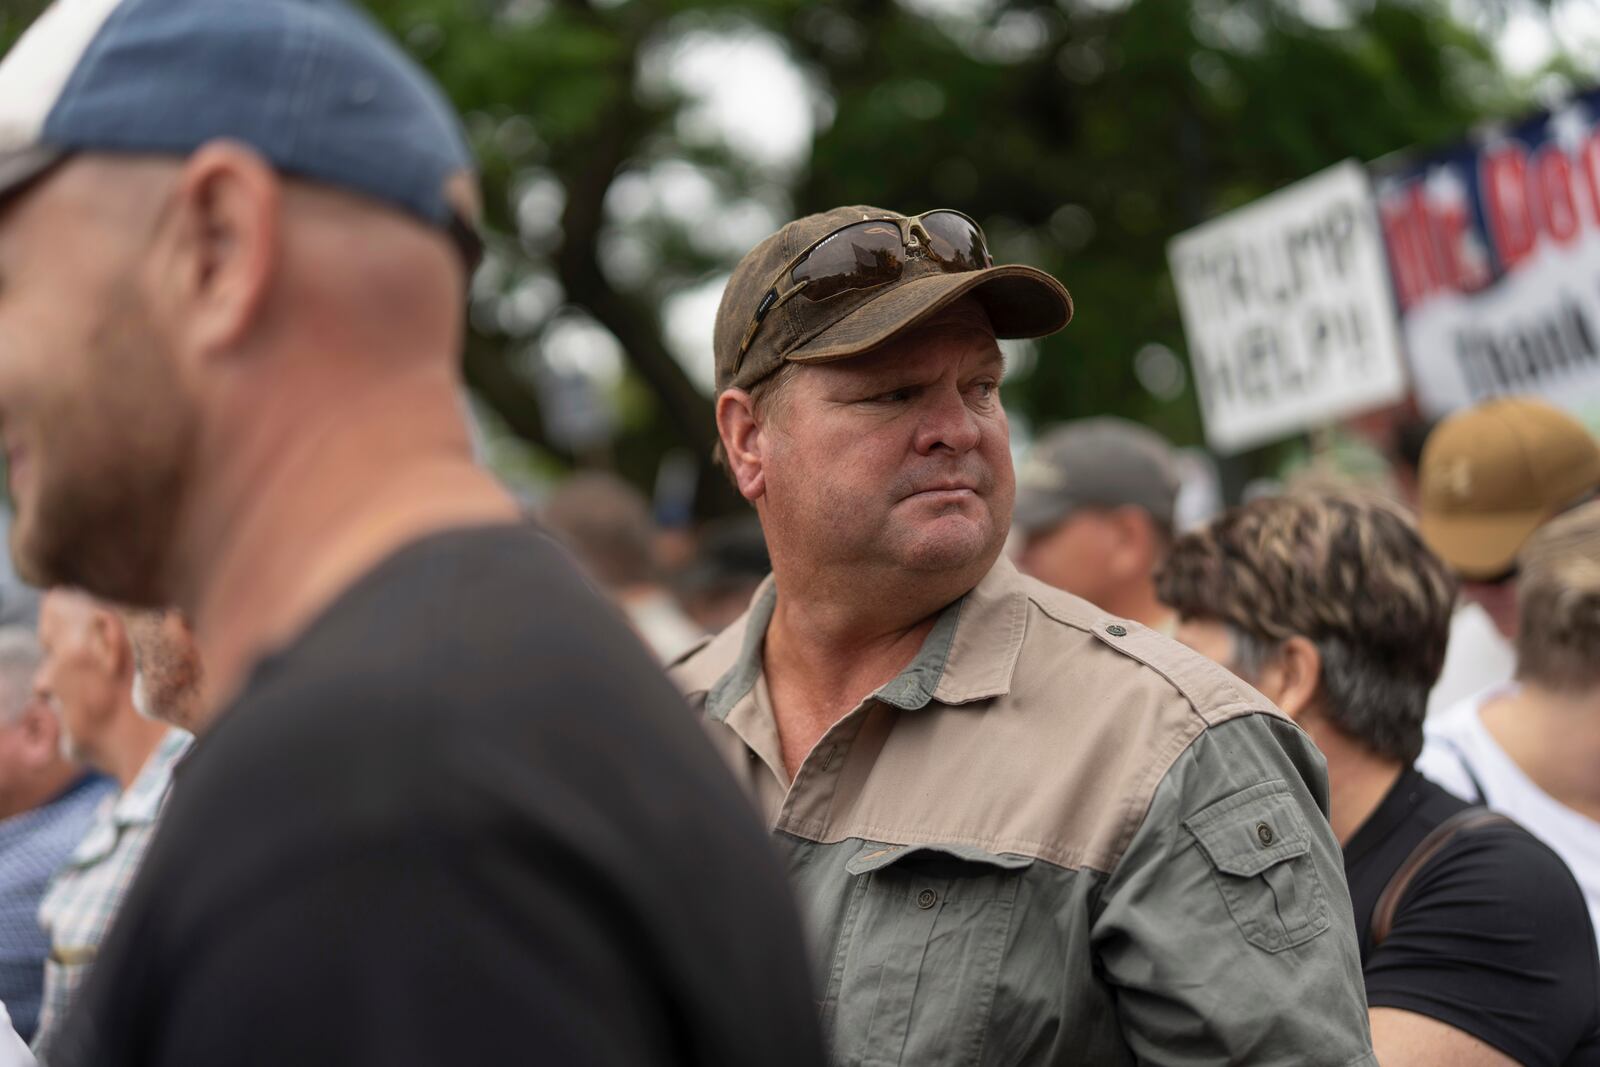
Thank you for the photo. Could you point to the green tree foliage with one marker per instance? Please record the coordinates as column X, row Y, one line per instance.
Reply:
column 1083, row 134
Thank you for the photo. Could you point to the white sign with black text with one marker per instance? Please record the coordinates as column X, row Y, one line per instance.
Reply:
column 1288, row 311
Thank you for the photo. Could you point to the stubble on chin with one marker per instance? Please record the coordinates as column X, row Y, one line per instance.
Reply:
column 107, row 535
column 106, row 528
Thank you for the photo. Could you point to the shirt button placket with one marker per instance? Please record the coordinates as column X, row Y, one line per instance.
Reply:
column 811, row 793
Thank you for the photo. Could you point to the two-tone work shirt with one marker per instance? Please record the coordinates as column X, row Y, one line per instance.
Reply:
column 1055, row 837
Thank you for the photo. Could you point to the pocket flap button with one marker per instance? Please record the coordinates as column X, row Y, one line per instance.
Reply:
column 1264, row 833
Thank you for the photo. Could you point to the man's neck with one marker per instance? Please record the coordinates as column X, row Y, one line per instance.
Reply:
column 124, row 755
column 1358, row 779
column 297, row 511
column 1554, row 737
column 824, row 654
column 841, row 658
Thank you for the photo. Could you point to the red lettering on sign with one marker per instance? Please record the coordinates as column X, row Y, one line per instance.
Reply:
column 1589, row 154
column 1505, row 191
column 1552, row 172
column 1405, row 230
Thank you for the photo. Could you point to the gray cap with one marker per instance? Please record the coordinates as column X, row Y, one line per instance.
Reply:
column 1102, row 462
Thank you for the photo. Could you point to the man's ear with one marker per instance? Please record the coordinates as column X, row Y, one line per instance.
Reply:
column 225, row 231
column 1294, row 677
column 1135, row 554
column 109, row 642
column 743, row 441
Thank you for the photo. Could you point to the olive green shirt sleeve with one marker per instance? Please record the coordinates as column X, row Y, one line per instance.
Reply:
column 1226, row 927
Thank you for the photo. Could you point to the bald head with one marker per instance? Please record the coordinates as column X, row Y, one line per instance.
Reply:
column 347, row 274
column 162, row 311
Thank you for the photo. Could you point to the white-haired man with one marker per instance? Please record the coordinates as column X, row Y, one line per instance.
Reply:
column 87, row 678
column 46, row 805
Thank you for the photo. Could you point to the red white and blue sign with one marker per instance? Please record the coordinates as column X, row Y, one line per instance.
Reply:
column 1494, row 249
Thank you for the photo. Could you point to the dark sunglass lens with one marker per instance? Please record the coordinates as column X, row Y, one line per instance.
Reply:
column 954, row 241
column 856, row 257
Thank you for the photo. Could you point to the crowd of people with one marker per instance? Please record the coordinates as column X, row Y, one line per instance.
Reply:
column 323, row 752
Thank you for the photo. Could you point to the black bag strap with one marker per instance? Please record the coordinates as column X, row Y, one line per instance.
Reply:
column 1389, row 900
column 1479, row 795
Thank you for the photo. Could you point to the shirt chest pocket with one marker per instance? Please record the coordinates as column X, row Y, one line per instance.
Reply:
column 913, row 976
column 1259, row 850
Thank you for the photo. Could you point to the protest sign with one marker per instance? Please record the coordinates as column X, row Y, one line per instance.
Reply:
column 1495, row 250
column 1288, row 311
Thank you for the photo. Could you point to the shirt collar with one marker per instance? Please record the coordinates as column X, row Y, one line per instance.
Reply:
column 141, row 801
column 970, row 654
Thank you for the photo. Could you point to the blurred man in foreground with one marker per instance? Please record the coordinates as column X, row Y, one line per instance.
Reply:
column 448, row 811
column 1489, row 477
column 87, row 678
column 1095, row 506
column 1532, row 749
column 1333, row 607
column 46, row 804
column 606, row 523
column 1023, row 830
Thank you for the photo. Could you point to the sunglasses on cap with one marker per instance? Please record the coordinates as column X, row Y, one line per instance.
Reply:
column 870, row 253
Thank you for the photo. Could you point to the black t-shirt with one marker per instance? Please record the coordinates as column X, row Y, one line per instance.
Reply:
column 1492, row 937
column 462, row 819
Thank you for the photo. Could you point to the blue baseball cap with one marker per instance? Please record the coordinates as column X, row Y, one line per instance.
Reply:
column 314, row 86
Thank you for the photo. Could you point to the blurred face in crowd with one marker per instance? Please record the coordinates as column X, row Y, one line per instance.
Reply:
column 78, row 677
column 1328, row 603
column 30, row 743
column 898, row 459
column 1094, row 553
column 168, row 663
column 95, row 429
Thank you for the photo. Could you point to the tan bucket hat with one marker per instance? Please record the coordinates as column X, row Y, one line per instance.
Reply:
column 1021, row 301
column 1493, row 474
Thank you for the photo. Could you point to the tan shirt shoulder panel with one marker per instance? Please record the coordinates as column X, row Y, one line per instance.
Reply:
column 1047, row 733
column 1213, row 692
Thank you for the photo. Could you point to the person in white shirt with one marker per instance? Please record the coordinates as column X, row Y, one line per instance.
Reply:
column 1489, row 476
column 1480, row 657
column 1530, row 749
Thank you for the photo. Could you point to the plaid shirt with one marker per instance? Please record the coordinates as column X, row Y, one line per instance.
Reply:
column 84, row 895
column 33, row 846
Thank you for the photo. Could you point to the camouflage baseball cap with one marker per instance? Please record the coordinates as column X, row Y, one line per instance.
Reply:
column 1021, row 302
